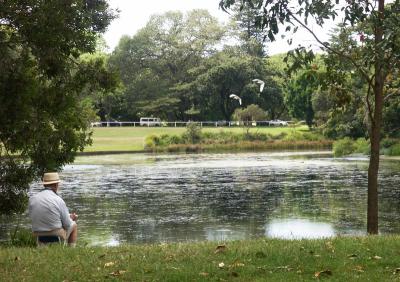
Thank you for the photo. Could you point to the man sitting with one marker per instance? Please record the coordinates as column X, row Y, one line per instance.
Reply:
column 49, row 213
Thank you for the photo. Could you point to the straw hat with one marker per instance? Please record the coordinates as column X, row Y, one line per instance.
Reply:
column 50, row 178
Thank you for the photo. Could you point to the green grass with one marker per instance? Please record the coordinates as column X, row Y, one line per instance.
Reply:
column 374, row 258
column 132, row 138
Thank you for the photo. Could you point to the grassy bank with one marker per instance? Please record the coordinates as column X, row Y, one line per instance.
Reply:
column 132, row 138
column 247, row 146
column 348, row 146
column 194, row 139
column 339, row 259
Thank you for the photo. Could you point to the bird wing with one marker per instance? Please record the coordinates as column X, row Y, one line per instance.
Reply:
column 262, row 87
column 259, row 81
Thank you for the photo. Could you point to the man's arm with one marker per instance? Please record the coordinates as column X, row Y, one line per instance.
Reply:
column 65, row 216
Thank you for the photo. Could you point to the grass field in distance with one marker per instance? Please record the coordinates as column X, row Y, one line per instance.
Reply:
column 132, row 138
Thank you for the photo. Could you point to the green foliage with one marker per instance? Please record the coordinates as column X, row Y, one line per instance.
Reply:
column 193, row 133
column 393, row 150
column 14, row 184
column 22, row 238
column 298, row 96
column 251, row 38
column 152, row 141
column 343, row 147
column 391, row 111
column 362, row 146
column 105, row 90
column 348, row 146
column 43, row 117
column 229, row 140
column 173, row 69
column 156, row 61
column 250, row 113
column 296, row 135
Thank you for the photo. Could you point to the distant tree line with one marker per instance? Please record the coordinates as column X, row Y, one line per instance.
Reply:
column 185, row 66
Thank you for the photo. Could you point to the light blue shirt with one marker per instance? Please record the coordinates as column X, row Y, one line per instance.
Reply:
column 48, row 212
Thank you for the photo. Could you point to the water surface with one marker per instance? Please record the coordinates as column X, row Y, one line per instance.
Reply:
column 190, row 197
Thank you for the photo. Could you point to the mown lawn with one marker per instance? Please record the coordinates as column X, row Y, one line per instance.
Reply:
column 132, row 138
column 374, row 258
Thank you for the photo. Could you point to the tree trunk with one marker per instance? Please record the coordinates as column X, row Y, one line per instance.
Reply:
column 372, row 210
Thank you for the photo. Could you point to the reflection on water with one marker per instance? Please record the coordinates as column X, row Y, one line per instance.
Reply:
column 191, row 197
column 298, row 229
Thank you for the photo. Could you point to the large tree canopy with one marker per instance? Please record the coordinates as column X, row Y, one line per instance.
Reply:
column 43, row 114
column 159, row 56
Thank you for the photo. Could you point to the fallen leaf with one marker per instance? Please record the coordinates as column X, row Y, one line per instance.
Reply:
column 118, row 272
column 377, row 257
column 221, row 265
column 220, row 249
column 326, row 272
column 17, row 258
column 204, row 274
column 359, row 268
column 317, row 256
column 352, row 256
column 107, row 264
column 329, row 246
column 237, row 264
column 397, row 270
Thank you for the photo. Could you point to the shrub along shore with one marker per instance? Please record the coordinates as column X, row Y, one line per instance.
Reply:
column 370, row 258
column 195, row 140
column 113, row 140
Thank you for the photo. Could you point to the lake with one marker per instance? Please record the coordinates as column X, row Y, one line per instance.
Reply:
column 145, row 198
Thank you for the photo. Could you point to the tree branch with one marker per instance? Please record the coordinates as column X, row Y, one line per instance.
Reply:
column 362, row 71
column 391, row 94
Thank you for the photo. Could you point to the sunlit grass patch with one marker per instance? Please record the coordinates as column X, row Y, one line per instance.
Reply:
column 372, row 258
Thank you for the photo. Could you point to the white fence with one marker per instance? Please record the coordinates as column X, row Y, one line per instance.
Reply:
column 184, row 123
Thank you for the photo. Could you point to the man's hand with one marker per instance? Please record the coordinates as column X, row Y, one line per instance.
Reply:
column 73, row 216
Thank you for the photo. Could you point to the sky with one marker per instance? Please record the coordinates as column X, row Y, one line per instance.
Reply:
column 134, row 15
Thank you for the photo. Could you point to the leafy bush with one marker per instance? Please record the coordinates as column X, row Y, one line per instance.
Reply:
column 151, row 141
column 343, row 147
column 294, row 135
column 279, row 136
column 388, row 142
column 394, row 150
column 23, row 238
column 193, row 133
column 362, row 146
column 255, row 136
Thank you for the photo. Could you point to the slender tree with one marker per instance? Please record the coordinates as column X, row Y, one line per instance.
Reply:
column 378, row 55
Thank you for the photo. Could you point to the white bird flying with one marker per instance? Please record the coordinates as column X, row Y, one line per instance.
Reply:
column 236, row 97
column 259, row 81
